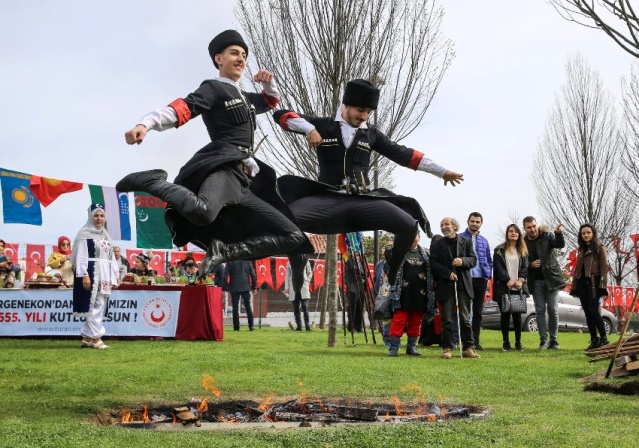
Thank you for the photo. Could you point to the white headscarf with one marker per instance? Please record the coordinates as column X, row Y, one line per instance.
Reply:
column 90, row 231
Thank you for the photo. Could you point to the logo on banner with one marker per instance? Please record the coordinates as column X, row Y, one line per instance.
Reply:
column 157, row 312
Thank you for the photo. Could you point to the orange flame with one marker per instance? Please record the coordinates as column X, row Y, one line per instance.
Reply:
column 174, row 418
column 268, row 417
column 203, row 406
column 397, row 402
column 322, row 407
column 145, row 415
column 431, row 418
column 125, row 415
column 207, row 383
column 387, row 419
column 265, row 403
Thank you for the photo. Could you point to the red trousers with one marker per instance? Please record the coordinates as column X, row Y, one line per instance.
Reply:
column 401, row 318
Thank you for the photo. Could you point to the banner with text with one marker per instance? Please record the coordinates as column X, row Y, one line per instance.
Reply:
column 25, row 312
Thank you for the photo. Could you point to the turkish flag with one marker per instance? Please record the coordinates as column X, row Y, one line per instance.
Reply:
column 198, row 256
column 634, row 238
column 35, row 259
column 617, row 292
column 177, row 256
column 280, row 271
column 340, row 276
column 130, row 256
column 158, row 262
column 47, row 190
column 263, row 271
column 11, row 250
column 318, row 275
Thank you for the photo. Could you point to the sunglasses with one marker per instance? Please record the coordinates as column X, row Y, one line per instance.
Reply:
column 65, row 244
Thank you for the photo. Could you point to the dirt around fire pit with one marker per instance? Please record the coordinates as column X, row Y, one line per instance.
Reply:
column 621, row 388
column 243, row 414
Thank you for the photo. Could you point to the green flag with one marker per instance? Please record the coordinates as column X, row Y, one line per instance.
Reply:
column 151, row 230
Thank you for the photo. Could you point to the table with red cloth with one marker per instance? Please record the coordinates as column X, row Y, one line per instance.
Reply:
column 201, row 312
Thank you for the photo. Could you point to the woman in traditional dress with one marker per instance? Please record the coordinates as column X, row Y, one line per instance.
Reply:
column 96, row 272
column 61, row 260
column 510, row 271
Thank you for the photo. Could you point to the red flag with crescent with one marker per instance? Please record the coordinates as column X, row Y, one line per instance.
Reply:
column 617, row 292
column 263, row 271
column 340, row 276
column 158, row 262
column 318, row 275
column 572, row 260
column 130, row 256
column 280, row 271
column 35, row 259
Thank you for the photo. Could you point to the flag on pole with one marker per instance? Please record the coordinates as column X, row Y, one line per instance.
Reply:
column 151, row 229
column 19, row 204
column 48, row 190
column 116, row 206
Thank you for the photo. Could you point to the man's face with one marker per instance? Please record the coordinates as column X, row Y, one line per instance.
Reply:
column 355, row 116
column 531, row 229
column 474, row 223
column 447, row 228
column 232, row 62
column 190, row 269
column 116, row 251
column 416, row 242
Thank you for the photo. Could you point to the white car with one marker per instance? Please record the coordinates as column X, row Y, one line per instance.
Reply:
column 571, row 315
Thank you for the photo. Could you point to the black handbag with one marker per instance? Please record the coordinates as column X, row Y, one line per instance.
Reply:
column 514, row 302
column 383, row 308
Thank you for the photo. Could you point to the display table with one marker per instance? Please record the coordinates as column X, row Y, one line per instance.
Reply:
column 184, row 312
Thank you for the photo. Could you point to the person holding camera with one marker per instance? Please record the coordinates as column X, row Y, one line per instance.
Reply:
column 590, row 281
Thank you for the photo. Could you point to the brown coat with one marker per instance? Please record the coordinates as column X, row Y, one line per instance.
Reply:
column 593, row 265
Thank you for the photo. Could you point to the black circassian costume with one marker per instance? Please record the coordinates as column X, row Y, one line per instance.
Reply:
column 218, row 201
column 327, row 206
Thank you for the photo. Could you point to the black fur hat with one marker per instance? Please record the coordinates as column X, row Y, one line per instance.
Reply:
column 223, row 40
column 361, row 93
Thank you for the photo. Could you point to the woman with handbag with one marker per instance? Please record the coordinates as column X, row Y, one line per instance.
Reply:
column 510, row 270
column 590, row 281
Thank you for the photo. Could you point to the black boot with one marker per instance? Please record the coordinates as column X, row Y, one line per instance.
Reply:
column 141, row 181
column 251, row 249
column 594, row 343
column 394, row 346
column 307, row 321
column 411, row 347
column 402, row 244
column 603, row 341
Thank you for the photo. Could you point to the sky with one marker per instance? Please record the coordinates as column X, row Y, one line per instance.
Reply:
column 75, row 75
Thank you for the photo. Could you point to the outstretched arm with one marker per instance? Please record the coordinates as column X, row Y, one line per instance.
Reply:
column 293, row 122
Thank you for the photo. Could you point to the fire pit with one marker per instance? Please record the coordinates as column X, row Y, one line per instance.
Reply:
column 288, row 414
column 199, row 413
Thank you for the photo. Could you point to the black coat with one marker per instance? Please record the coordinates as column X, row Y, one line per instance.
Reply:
column 441, row 263
column 239, row 276
column 546, row 242
column 500, row 274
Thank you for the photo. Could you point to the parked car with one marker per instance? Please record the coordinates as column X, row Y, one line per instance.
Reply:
column 571, row 316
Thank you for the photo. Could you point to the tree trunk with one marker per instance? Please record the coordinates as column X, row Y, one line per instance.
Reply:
column 330, row 284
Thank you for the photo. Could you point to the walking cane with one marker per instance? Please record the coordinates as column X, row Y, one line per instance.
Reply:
column 461, row 356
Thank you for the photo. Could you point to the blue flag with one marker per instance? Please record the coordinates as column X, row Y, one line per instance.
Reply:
column 20, row 206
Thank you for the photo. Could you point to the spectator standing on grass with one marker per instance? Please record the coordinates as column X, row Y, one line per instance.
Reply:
column 545, row 278
column 510, row 271
column 239, row 279
column 590, row 281
column 96, row 274
column 481, row 273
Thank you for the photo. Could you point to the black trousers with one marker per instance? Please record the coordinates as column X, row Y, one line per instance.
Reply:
column 479, row 291
column 336, row 213
column 355, row 309
column 447, row 303
column 590, row 305
column 246, row 298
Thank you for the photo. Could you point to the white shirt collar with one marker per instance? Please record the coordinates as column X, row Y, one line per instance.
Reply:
column 228, row 81
column 338, row 117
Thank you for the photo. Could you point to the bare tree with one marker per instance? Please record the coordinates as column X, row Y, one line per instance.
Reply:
column 578, row 175
column 617, row 18
column 630, row 92
column 314, row 48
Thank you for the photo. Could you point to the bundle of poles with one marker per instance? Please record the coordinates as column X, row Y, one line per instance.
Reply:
column 364, row 281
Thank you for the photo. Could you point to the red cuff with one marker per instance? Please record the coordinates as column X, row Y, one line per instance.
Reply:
column 182, row 110
column 270, row 100
column 285, row 117
column 415, row 159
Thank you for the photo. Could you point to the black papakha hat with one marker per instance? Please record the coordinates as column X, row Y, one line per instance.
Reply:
column 361, row 93
column 223, row 40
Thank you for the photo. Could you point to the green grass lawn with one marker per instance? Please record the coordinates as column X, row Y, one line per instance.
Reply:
column 51, row 389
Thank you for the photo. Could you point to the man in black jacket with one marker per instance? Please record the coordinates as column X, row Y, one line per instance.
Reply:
column 451, row 259
column 239, row 279
column 341, row 201
column 545, row 278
